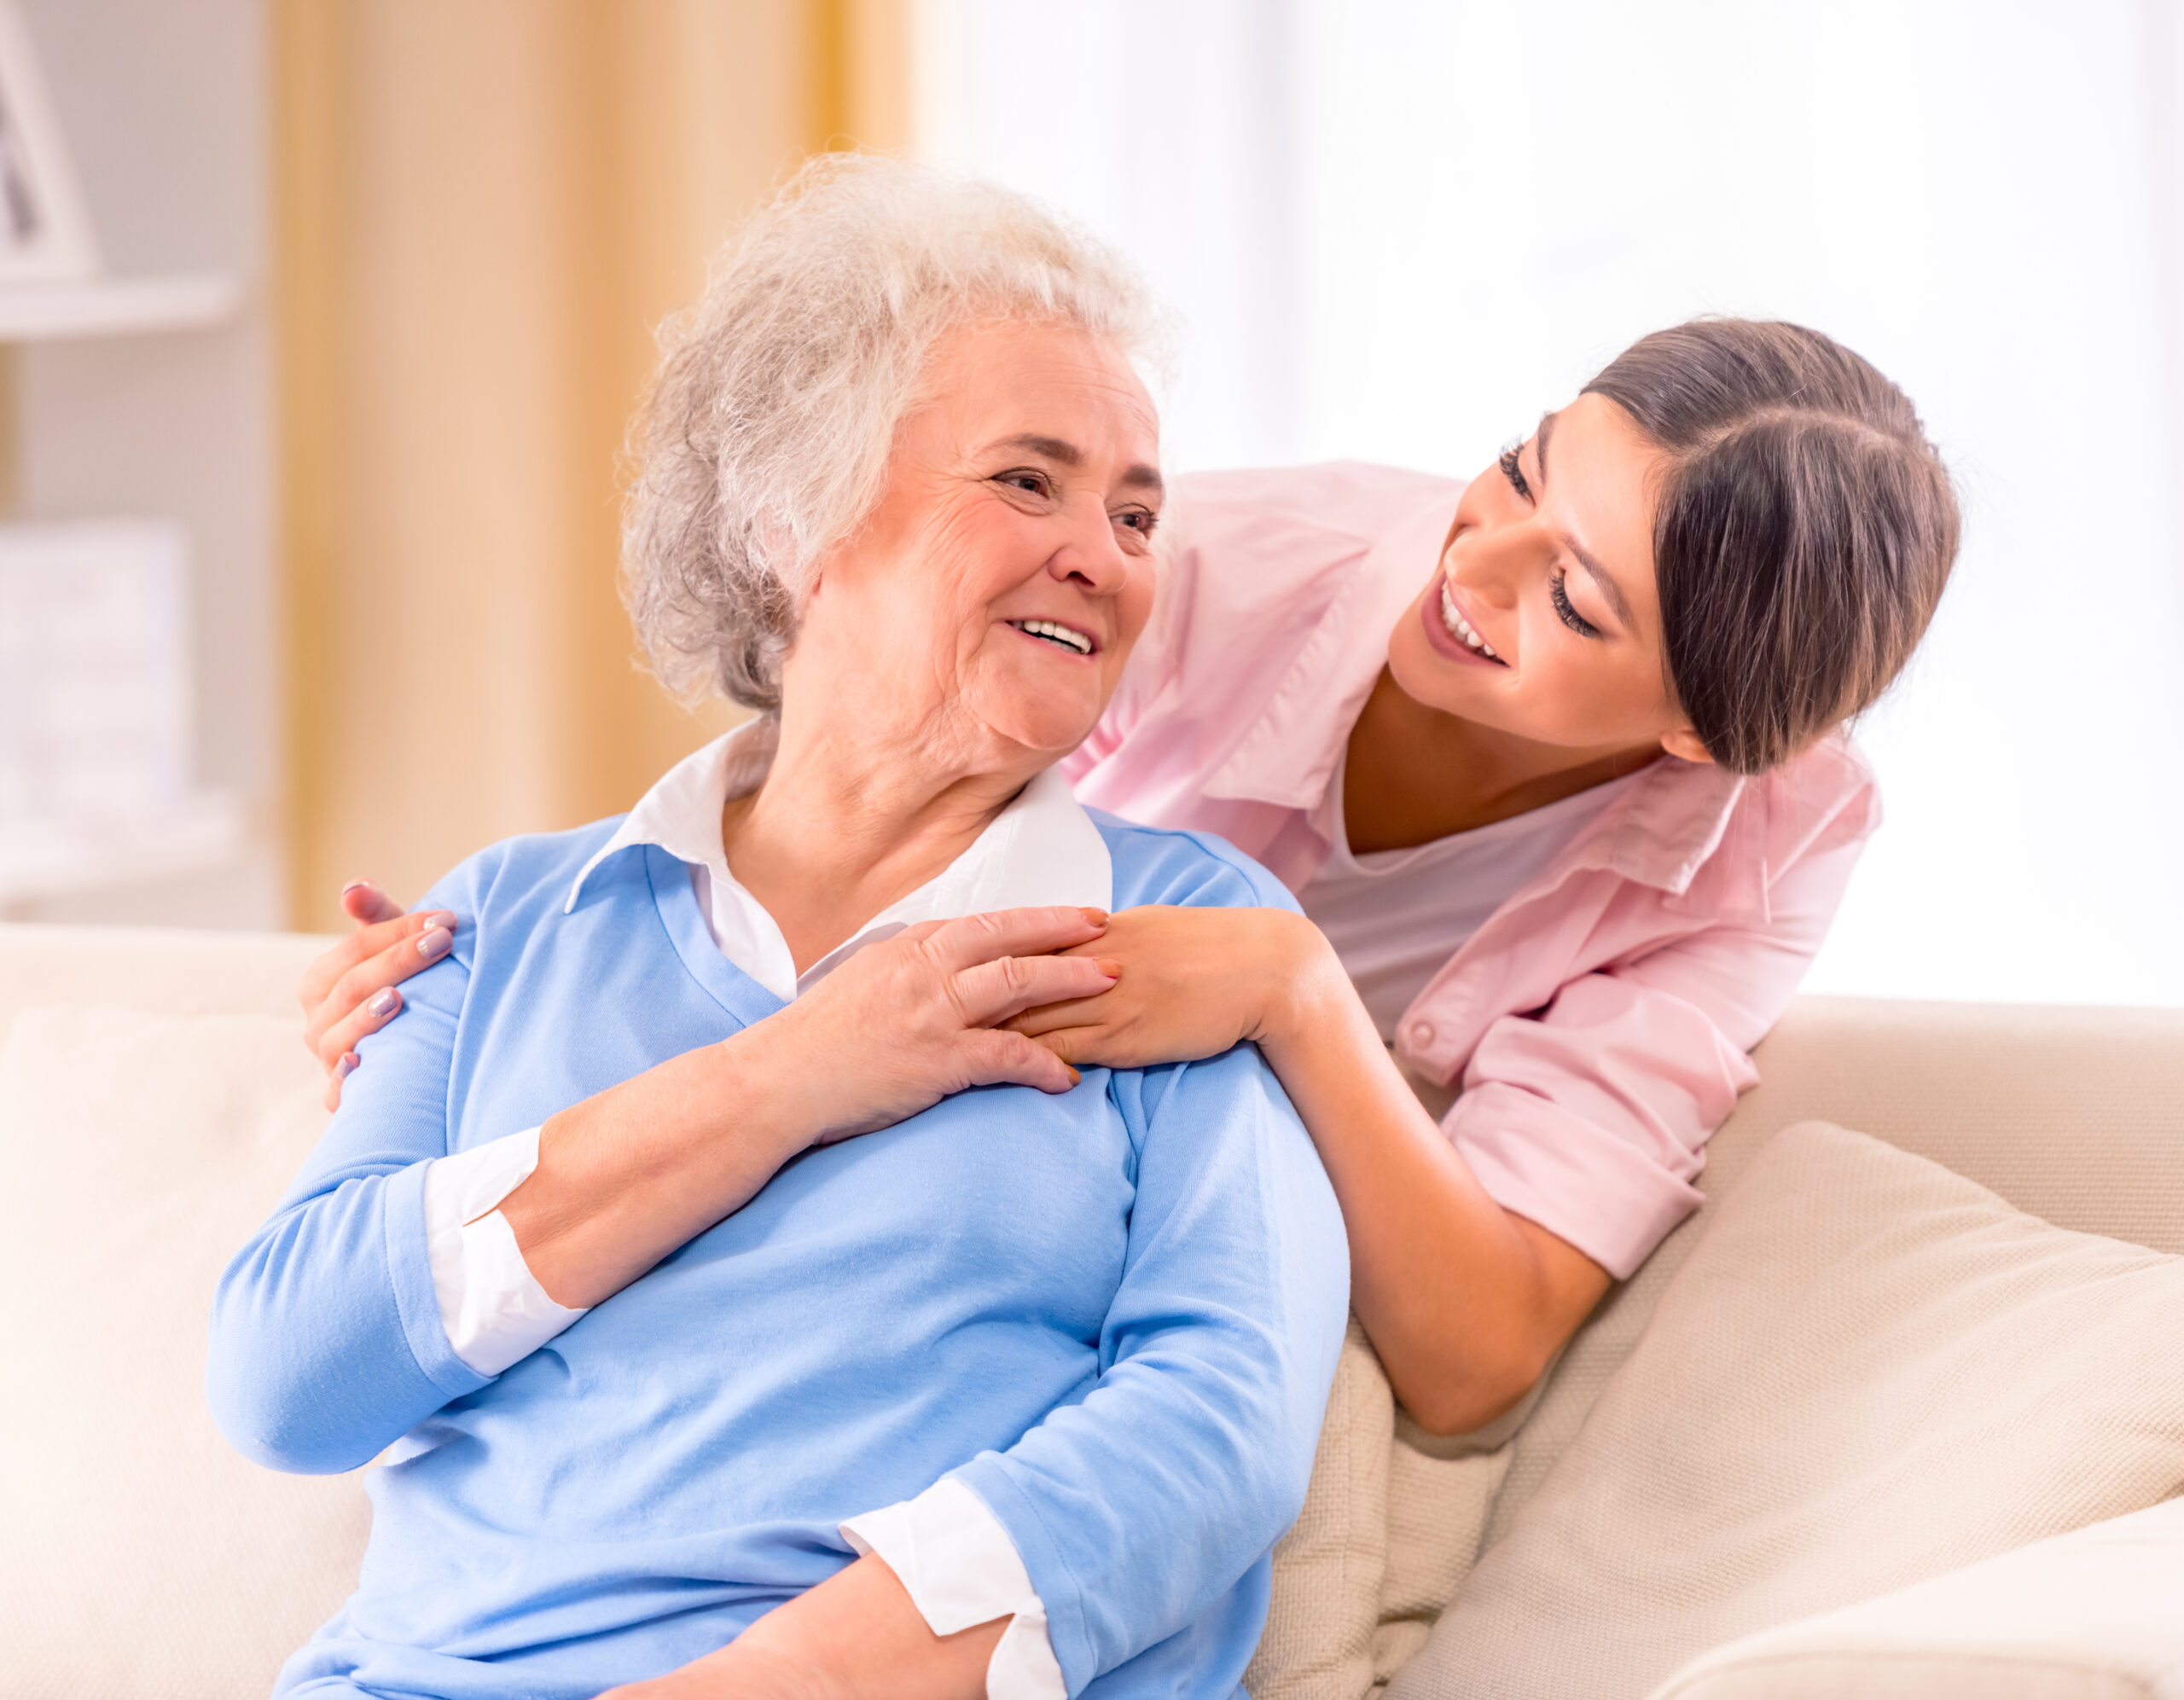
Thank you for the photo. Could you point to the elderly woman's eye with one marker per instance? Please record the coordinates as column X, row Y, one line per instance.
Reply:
column 1141, row 520
column 1033, row 484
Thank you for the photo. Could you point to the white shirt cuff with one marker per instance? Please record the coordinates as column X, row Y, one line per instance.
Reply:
column 961, row 1569
column 494, row 1310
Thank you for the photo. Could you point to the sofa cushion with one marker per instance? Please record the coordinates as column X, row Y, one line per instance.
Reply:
column 2094, row 1615
column 1328, row 1570
column 138, row 1554
column 2071, row 1114
column 1870, row 1371
column 1391, row 1527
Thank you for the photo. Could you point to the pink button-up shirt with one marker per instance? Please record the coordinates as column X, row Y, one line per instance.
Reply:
column 1597, row 1023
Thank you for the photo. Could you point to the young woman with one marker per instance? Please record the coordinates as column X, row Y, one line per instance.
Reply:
column 1561, row 785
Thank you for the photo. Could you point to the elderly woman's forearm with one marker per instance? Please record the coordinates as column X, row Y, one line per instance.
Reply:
column 856, row 1636
column 632, row 1174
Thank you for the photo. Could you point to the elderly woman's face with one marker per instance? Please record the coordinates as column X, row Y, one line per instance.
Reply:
column 993, row 595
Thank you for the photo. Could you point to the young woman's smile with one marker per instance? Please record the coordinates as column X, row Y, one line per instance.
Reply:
column 1542, row 618
column 1449, row 629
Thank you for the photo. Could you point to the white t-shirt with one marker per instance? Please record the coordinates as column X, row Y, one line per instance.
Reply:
column 1396, row 917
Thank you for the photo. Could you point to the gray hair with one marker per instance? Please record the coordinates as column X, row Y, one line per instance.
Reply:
column 765, row 438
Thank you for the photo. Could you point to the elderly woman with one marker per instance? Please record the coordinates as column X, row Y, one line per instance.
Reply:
column 678, row 1385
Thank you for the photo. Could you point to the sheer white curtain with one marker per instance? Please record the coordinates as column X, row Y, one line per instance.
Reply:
column 1398, row 230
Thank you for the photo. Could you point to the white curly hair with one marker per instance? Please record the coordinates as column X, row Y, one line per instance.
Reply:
column 764, row 439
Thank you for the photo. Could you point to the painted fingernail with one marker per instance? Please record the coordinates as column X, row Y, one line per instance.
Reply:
column 383, row 1003
column 439, row 918
column 1074, row 1077
column 345, row 1067
column 356, row 885
column 1113, row 971
column 1097, row 917
column 433, row 942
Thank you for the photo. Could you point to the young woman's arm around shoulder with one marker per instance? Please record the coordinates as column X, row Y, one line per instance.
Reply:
column 1465, row 1302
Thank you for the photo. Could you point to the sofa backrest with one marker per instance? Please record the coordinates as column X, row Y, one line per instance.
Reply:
column 2075, row 1115
column 153, row 1104
column 169, row 971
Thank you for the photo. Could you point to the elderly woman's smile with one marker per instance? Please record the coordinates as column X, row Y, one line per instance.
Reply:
column 992, row 597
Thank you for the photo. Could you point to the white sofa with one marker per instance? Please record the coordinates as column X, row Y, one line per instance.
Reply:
column 154, row 1101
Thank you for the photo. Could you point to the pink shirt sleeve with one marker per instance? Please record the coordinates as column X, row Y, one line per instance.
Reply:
column 1591, row 1115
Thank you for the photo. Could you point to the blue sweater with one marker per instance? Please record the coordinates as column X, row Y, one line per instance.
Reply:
column 1113, row 1315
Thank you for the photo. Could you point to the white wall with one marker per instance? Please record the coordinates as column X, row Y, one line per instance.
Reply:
column 1401, row 228
column 1170, row 128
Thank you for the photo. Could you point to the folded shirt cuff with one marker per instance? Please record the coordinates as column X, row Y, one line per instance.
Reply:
column 1580, row 1182
column 960, row 1570
column 494, row 1310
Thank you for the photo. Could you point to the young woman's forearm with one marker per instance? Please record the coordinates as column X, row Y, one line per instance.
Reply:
column 1465, row 1303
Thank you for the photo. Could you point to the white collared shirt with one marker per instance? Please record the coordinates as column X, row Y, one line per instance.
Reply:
column 948, row 1549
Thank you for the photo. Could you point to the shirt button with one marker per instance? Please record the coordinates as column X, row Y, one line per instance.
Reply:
column 1421, row 1033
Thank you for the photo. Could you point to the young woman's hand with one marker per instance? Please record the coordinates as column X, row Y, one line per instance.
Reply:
column 349, row 990
column 1193, row 984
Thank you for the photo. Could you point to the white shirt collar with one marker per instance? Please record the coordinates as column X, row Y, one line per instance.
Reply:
column 1042, row 848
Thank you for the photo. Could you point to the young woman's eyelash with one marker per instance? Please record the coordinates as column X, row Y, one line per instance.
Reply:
column 1560, row 595
column 1514, row 473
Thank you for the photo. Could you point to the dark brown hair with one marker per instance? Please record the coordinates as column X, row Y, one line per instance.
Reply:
column 1805, row 530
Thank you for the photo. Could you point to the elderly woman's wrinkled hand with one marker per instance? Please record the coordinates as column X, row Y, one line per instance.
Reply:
column 904, row 1022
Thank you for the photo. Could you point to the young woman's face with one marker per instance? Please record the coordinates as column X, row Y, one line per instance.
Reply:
column 1542, row 619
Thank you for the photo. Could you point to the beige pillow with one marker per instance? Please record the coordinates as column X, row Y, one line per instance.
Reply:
column 2094, row 1615
column 1870, row 1371
column 1391, row 1525
column 138, row 1554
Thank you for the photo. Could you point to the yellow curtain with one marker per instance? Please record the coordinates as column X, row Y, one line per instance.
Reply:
column 483, row 209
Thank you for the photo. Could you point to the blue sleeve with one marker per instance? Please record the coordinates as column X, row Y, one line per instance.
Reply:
column 1138, row 1507
column 326, row 1341
column 1201, row 870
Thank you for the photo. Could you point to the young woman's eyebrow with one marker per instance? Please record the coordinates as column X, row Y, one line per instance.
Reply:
column 1600, row 576
column 1545, row 430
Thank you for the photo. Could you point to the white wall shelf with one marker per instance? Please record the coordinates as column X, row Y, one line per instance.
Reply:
column 115, row 306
